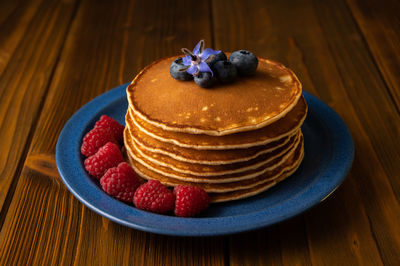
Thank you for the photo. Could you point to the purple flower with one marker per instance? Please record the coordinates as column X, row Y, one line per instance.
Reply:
column 195, row 61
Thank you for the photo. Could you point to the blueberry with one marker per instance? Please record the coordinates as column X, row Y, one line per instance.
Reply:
column 175, row 70
column 245, row 62
column 221, row 56
column 225, row 71
column 204, row 79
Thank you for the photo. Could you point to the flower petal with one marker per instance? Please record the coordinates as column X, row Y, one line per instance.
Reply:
column 203, row 67
column 207, row 53
column 192, row 69
column 196, row 49
column 187, row 60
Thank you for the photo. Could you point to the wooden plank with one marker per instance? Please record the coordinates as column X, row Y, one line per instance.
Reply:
column 293, row 242
column 380, row 25
column 14, row 20
column 283, row 244
column 260, row 247
column 378, row 160
column 30, row 42
column 364, row 86
column 320, row 43
column 340, row 225
column 107, row 45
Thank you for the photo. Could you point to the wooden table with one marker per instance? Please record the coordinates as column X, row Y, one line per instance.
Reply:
column 55, row 56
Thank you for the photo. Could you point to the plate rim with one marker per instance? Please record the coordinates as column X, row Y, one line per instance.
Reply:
column 209, row 226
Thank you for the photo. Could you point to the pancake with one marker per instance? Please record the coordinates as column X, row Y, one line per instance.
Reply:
column 153, row 171
column 290, row 163
column 247, row 104
column 282, row 128
column 207, row 170
column 208, row 157
column 245, row 193
column 211, row 157
column 234, row 140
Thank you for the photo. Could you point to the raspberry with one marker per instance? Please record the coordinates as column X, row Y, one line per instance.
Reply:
column 106, row 157
column 153, row 196
column 106, row 122
column 120, row 182
column 190, row 200
column 95, row 139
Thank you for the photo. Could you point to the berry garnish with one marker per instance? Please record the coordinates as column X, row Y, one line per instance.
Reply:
column 190, row 200
column 178, row 70
column 204, row 79
column 153, row 196
column 195, row 61
column 225, row 71
column 221, row 56
column 120, row 182
column 245, row 62
column 106, row 157
column 106, row 122
column 95, row 139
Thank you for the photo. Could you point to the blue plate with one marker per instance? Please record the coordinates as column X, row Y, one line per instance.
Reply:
column 328, row 157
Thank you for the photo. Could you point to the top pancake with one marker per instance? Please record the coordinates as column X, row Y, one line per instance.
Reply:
column 182, row 106
column 285, row 126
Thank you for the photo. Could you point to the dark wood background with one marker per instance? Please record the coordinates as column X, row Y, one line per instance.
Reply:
column 55, row 56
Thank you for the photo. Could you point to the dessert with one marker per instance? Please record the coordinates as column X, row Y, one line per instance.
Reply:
column 234, row 139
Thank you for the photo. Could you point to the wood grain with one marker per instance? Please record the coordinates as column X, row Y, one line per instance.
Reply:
column 379, row 23
column 106, row 46
column 375, row 110
column 31, row 40
column 377, row 149
column 15, row 18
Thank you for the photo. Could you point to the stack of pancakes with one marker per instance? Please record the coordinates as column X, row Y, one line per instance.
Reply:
column 233, row 140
